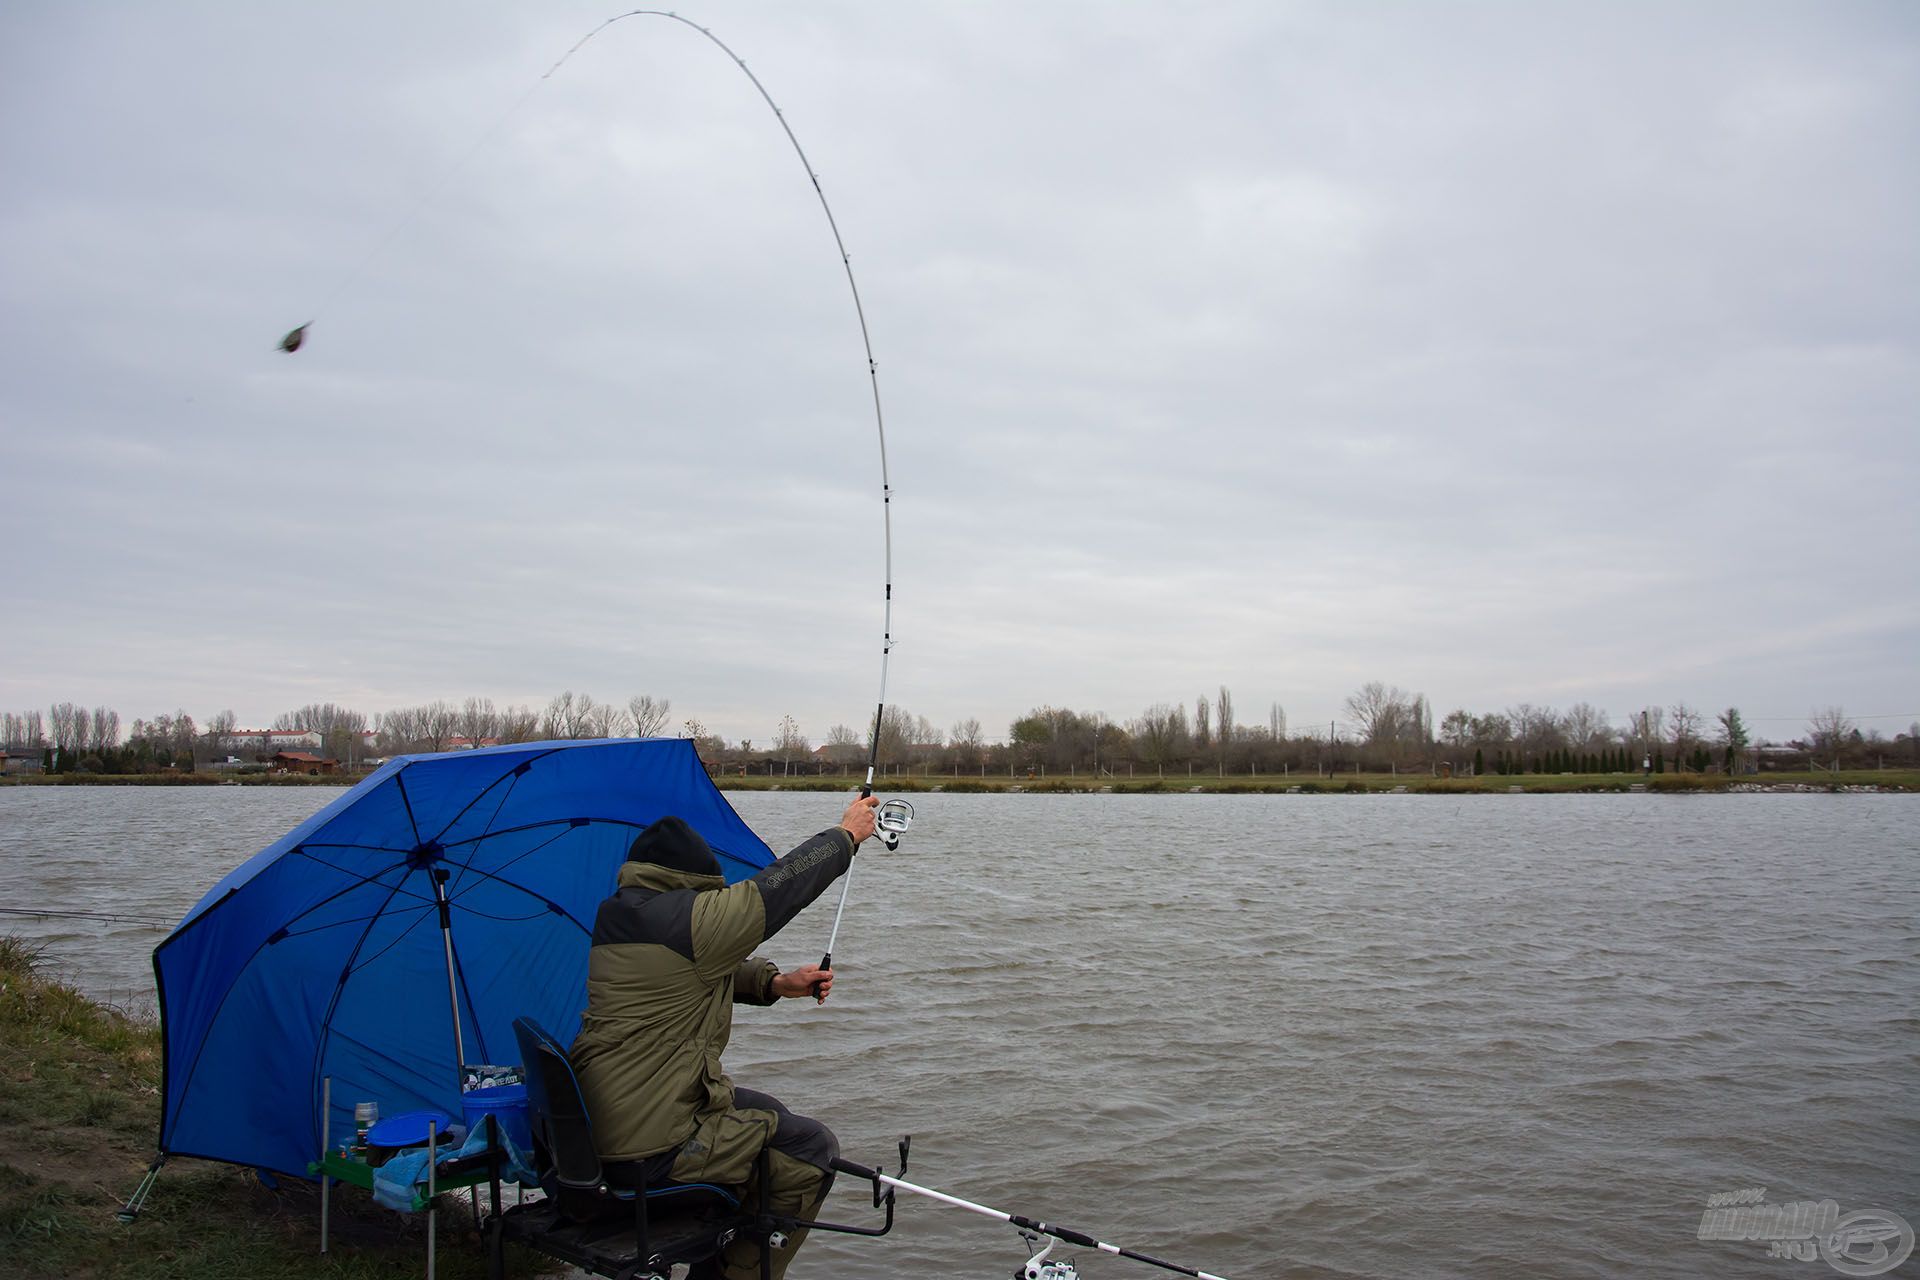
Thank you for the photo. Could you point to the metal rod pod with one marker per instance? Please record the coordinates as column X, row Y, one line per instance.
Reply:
column 433, row 1221
column 326, row 1142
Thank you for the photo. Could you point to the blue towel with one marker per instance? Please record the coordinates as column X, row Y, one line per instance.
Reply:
column 404, row 1175
column 394, row 1181
column 517, row 1167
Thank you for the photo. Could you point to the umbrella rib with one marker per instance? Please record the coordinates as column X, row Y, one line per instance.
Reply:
column 346, row 889
column 343, row 844
column 398, row 938
column 518, row 857
column 406, row 802
column 333, row 1001
column 513, row 774
column 488, row 829
column 488, row 915
column 551, row 905
column 194, row 1067
column 322, row 928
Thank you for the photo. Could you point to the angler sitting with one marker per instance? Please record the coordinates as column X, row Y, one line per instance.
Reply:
column 672, row 953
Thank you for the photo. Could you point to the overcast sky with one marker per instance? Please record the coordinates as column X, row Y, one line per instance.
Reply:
column 1501, row 352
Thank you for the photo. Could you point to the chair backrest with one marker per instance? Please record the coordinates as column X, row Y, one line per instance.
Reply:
column 557, row 1109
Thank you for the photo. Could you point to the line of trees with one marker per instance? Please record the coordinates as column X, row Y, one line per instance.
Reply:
column 1384, row 728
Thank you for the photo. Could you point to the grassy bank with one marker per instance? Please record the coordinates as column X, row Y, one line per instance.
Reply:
column 1346, row 783
column 79, row 1110
column 173, row 778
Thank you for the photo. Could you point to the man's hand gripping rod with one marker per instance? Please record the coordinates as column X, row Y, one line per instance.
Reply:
column 890, row 823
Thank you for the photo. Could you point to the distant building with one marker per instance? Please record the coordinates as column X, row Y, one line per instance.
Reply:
column 302, row 762
column 269, row 740
column 17, row 760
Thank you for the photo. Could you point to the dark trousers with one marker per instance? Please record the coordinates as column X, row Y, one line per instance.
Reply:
column 800, row 1150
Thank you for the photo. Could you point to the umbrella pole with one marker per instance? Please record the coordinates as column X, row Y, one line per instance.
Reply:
column 439, row 877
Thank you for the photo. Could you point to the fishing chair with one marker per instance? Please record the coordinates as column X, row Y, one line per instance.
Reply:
column 604, row 1218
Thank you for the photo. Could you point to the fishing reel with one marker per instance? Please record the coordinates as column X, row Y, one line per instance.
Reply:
column 892, row 821
column 1038, row 1268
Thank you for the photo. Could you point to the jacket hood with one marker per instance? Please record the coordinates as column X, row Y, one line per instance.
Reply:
column 651, row 875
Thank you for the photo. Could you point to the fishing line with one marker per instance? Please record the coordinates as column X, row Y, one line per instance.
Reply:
column 894, row 817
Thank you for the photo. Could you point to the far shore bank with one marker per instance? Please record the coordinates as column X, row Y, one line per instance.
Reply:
column 1843, row 781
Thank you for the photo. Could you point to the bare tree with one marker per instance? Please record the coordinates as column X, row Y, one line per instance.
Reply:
column 844, row 745
column 1585, row 725
column 708, row 744
column 1277, row 722
column 342, row 731
column 68, row 724
column 438, row 720
column 400, row 730
column 1492, row 729
column 1684, row 725
column 789, row 742
column 649, row 714
column 519, row 724
column 1225, row 707
column 609, row 721
column 1160, row 736
column 1457, row 729
column 182, row 736
column 1829, row 730
column 219, row 737
column 478, row 721
column 568, row 716
column 106, row 728
column 1534, row 728
column 1383, row 714
column 1202, row 722
column 899, row 731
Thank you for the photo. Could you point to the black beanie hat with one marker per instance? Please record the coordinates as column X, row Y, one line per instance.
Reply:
column 671, row 843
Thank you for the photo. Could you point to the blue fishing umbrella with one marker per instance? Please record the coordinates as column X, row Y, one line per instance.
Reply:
column 401, row 930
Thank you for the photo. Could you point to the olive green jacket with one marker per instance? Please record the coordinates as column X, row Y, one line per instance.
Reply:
column 672, row 954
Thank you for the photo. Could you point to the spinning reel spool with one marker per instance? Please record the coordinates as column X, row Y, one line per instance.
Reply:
column 1038, row 1268
column 892, row 821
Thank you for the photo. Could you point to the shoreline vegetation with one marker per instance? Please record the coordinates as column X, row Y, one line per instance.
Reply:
column 1198, row 783
column 79, row 1111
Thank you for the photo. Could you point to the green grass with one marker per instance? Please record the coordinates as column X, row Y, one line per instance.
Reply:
column 79, row 1111
column 176, row 779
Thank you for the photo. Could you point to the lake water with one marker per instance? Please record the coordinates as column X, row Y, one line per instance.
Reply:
column 1273, row 1036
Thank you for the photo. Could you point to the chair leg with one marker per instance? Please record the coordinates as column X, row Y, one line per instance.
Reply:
column 766, row 1207
column 496, row 1244
column 644, row 1258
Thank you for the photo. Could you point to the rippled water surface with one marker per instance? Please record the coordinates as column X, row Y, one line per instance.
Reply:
column 1485, row 1036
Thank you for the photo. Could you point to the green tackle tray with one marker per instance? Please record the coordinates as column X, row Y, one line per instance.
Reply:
column 345, row 1168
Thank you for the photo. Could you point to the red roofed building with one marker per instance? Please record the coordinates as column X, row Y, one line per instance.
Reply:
column 302, row 762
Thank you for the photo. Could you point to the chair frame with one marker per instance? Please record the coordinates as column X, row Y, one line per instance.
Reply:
column 585, row 1221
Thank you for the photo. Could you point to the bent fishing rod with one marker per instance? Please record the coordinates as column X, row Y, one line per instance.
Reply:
column 895, row 816
column 1037, row 1267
